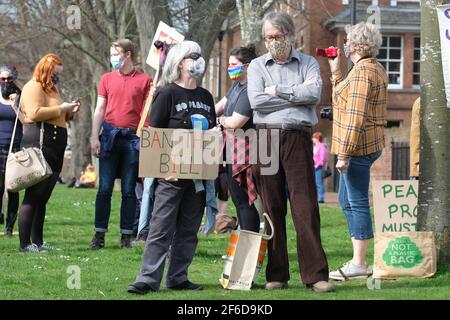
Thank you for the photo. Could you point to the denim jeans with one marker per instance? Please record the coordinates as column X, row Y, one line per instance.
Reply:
column 122, row 162
column 148, row 196
column 354, row 195
column 211, row 206
column 319, row 184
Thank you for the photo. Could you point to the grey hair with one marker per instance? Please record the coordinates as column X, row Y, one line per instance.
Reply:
column 366, row 39
column 282, row 21
column 11, row 70
column 171, row 70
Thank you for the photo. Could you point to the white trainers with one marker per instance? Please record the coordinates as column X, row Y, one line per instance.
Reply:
column 350, row 271
column 30, row 248
column 46, row 247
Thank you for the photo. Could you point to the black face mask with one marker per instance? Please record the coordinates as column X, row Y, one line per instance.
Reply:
column 8, row 89
column 56, row 79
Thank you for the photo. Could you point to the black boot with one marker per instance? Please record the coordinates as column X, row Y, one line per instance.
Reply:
column 125, row 241
column 98, row 241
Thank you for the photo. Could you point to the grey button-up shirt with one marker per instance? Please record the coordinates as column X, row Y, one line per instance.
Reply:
column 294, row 102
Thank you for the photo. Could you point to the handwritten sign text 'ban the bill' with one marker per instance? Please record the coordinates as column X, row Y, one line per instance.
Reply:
column 180, row 153
column 395, row 205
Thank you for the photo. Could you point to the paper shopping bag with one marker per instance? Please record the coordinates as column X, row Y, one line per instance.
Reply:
column 245, row 256
column 401, row 254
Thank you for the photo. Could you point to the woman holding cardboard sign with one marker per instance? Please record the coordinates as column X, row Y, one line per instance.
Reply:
column 359, row 110
column 178, row 206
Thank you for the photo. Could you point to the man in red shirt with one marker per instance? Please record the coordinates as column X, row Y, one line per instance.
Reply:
column 121, row 98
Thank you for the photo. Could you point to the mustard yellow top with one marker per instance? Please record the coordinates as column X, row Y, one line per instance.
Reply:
column 89, row 177
column 37, row 105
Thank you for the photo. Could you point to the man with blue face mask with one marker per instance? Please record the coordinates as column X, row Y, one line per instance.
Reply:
column 121, row 98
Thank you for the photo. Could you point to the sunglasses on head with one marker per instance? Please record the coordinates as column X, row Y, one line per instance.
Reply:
column 3, row 79
column 193, row 56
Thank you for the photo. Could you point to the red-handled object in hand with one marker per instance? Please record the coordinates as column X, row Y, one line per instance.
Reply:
column 330, row 52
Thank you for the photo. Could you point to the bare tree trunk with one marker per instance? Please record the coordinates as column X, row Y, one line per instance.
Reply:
column 205, row 21
column 251, row 14
column 434, row 183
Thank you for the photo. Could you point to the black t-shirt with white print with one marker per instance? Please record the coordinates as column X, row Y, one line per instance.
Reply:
column 173, row 107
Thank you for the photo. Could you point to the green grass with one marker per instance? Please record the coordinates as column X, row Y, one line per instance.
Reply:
column 105, row 274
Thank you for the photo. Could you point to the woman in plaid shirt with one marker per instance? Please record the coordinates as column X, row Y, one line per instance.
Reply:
column 359, row 113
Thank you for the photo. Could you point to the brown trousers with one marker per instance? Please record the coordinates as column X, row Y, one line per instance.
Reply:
column 296, row 169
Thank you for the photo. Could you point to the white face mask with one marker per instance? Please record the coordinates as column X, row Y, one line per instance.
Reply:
column 197, row 67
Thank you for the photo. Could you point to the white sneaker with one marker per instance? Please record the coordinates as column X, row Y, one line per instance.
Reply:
column 350, row 271
column 46, row 247
column 30, row 248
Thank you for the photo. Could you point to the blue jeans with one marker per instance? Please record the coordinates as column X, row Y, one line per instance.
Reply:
column 148, row 197
column 122, row 162
column 319, row 184
column 354, row 195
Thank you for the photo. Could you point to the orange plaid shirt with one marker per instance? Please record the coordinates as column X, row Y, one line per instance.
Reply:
column 359, row 110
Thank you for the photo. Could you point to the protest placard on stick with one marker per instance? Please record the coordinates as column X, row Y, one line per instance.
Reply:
column 167, row 36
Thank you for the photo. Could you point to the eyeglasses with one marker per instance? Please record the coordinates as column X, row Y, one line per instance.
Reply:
column 193, row 56
column 7, row 79
column 279, row 37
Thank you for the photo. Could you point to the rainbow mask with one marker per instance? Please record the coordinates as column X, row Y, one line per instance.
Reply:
column 236, row 72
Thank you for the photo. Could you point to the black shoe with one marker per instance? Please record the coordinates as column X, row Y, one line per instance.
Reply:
column 140, row 288
column 187, row 285
column 8, row 233
column 98, row 241
column 72, row 183
column 125, row 241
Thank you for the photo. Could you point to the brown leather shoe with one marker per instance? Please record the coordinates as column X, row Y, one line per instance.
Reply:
column 323, row 286
column 273, row 285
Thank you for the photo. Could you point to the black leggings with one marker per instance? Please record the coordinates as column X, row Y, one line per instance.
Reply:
column 32, row 212
column 13, row 197
column 13, row 206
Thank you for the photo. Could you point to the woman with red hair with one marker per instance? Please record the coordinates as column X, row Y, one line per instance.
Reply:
column 41, row 103
column 320, row 163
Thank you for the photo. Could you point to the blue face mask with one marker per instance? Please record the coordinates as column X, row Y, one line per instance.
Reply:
column 346, row 51
column 116, row 62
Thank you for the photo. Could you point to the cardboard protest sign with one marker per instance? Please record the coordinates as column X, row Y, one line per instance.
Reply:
column 400, row 254
column 399, row 249
column 180, row 153
column 166, row 34
column 169, row 36
column 395, row 205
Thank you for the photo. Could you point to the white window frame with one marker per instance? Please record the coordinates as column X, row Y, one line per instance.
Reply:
column 387, row 60
column 416, row 86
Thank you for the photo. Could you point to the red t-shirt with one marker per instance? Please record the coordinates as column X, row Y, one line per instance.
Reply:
column 125, row 97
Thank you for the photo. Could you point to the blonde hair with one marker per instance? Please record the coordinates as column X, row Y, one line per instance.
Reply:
column 366, row 39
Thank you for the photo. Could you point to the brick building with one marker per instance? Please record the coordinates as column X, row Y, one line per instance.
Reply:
column 321, row 23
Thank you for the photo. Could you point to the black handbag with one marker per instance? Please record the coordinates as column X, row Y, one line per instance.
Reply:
column 326, row 172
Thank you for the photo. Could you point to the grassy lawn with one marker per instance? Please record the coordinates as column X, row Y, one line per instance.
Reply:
column 105, row 274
